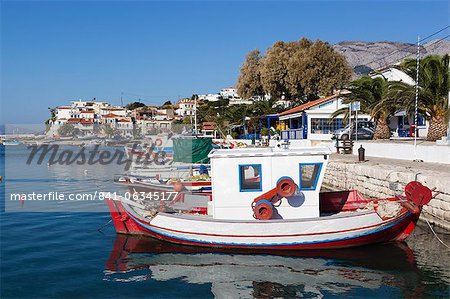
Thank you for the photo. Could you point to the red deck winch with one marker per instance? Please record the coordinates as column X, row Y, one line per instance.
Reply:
column 263, row 205
column 419, row 194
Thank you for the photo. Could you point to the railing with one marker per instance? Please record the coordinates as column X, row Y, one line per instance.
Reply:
column 250, row 136
column 292, row 134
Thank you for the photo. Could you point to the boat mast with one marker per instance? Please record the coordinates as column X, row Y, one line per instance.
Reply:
column 195, row 115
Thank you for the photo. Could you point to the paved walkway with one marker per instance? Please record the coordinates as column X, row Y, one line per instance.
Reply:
column 443, row 169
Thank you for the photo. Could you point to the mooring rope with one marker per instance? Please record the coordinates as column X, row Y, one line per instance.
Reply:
column 437, row 237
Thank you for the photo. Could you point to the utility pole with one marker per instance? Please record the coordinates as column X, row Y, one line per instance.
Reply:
column 350, row 121
column 416, row 98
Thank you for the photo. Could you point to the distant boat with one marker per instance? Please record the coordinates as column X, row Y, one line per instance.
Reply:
column 10, row 142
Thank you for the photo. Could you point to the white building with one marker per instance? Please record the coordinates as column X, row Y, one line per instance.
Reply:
column 312, row 120
column 229, row 93
column 109, row 119
column 393, row 73
column 211, row 97
column 115, row 110
column 186, row 107
column 239, row 101
column 400, row 123
column 148, row 126
column 85, row 115
column 124, row 126
column 64, row 112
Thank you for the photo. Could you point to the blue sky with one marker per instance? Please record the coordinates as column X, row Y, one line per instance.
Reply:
column 54, row 52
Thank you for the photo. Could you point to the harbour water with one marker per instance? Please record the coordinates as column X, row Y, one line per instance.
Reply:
column 54, row 249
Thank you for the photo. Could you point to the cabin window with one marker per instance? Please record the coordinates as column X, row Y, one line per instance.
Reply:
column 309, row 175
column 250, row 178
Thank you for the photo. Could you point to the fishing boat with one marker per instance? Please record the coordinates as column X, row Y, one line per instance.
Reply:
column 186, row 158
column 269, row 198
column 199, row 182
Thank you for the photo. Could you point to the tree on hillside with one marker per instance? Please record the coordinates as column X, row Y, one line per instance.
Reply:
column 317, row 70
column 294, row 79
column 134, row 105
column 299, row 70
column 52, row 118
column 249, row 81
column 274, row 70
column 433, row 99
column 372, row 93
column 167, row 103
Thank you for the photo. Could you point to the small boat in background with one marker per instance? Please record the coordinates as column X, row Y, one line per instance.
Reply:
column 152, row 169
column 269, row 198
column 200, row 183
column 10, row 142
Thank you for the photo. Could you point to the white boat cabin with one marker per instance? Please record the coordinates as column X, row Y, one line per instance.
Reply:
column 241, row 175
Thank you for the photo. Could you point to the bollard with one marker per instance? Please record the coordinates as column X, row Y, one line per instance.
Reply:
column 361, row 154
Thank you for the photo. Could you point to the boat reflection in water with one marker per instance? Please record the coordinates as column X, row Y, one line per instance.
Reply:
column 285, row 274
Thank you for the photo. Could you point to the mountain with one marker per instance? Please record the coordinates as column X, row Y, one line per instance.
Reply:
column 367, row 56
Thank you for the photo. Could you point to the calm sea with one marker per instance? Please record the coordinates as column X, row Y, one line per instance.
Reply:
column 54, row 249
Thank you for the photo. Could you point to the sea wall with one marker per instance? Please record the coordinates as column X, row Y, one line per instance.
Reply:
column 387, row 178
column 425, row 151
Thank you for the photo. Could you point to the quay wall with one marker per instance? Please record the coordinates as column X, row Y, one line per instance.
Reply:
column 378, row 180
column 425, row 152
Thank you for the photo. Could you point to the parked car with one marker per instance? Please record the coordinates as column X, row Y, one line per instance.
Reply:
column 366, row 130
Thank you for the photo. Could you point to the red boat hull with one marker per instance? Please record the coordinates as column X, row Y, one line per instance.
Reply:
column 398, row 230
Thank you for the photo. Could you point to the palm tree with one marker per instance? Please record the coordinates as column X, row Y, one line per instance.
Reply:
column 372, row 93
column 433, row 92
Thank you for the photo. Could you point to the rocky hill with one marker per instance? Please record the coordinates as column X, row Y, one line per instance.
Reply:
column 367, row 56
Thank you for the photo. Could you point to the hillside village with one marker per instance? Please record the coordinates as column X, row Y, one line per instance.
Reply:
column 87, row 117
column 311, row 120
column 296, row 90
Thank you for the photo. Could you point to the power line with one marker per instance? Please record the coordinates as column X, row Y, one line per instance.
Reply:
column 425, row 47
column 438, row 41
column 407, row 47
column 434, row 33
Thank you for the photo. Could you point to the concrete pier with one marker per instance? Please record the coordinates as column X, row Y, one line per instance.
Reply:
column 381, row 177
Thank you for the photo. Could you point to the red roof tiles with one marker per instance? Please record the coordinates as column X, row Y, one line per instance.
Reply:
column 74, row 120
column 110, row 115
column 308, row 105
column 123, row 120
column 87, row 122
